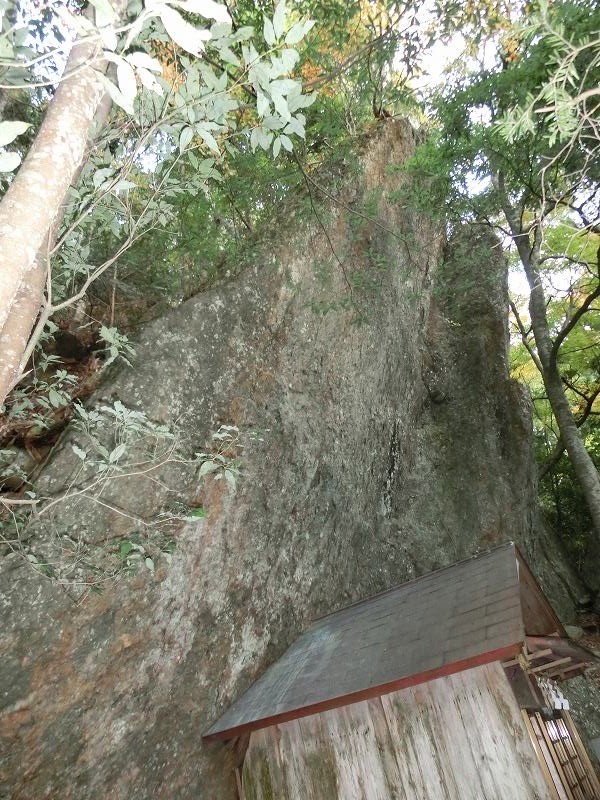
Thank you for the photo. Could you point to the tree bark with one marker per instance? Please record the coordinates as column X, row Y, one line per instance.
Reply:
column 33, row 205
column 17, row 328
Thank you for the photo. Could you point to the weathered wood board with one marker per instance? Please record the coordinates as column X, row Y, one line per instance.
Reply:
column 461, row 737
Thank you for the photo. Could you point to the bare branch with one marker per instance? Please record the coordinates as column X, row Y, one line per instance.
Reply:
column 525, row 336
column 572, row 321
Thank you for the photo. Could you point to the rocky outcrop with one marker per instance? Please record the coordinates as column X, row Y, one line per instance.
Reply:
column 364, row 364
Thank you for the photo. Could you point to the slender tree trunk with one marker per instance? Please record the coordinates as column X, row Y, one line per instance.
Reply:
column 15, row 335
column 583, row 466
column 33, row 205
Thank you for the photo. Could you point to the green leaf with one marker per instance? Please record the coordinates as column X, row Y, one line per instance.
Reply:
column 268, row 32
column 273, row 123
column 125, row 548
column 108, row 334
column 102, row 176
column 281, row 106
column 220, row 30
column 289, row 58
column 264, row 138
column 279, row 19
column 208, row 9
column 207, row 467
column 9, row 161
column 296, row 125
column 135, row 29
column 105, row 13
column 209, row 76
column 296, row 100
column 143, row 60
column 185, row 137
column 123, row 186
column 298, row 31
column 262, row 104
column 283, row 86
column 250, row 55
column 117, row 453
column 10, row 129
column 116, row 95
column 286, row 142
column 109, row 38
column 197, row 513
column 229, row 56
column 56, row 399
column 222, row 82
column 127, row 82
column 230, row 478
column 185, row 35
column 208, row 139
column 7, row 50
column 102, row 450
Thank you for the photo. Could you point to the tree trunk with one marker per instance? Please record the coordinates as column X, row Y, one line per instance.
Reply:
column 33, row 205
column 583, row 466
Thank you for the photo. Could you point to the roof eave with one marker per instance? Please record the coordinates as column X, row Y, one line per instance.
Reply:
column 499, row 654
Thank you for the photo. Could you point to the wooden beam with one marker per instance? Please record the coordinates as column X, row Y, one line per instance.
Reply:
column 563, row 647
column 551, row 664
column 528, row 656
column 539, row 654
column 559, row 672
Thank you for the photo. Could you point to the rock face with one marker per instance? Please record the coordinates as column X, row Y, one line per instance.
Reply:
column 381, row 450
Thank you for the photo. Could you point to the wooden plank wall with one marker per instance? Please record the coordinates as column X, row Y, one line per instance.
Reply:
column 456, row 738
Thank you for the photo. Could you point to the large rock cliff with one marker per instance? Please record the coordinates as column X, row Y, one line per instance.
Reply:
column 381, row 439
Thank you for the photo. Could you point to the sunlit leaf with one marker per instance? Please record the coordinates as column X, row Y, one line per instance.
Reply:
column 185, row 35
column 298, row 31
column 268, row 32
column 10, row 129
column 279, row 19
column 206, row 8
column 141, row 59
column 105, row 13
column 9, row 161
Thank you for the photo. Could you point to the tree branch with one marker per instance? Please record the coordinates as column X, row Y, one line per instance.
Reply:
column 32, row 208
column 348, row 62
column 559, row 447
column 570, row 323
column 524, row 336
